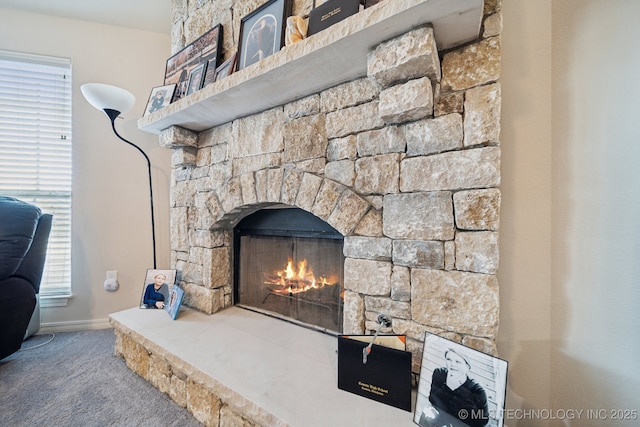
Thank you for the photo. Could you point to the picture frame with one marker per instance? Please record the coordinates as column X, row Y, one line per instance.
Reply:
column 160, row 97
column 175, row 301
column 213, row 74
column 464, row 371
column 196, row 76
column 207, row 48
column 262, row 32
column 226, row 68
column 210, row 73
column 166, row 282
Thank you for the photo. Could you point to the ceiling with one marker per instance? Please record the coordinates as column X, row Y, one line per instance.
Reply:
column 146, row 15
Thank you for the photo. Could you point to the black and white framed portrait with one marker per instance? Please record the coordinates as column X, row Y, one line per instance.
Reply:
column 262, row 32
column 459, row 386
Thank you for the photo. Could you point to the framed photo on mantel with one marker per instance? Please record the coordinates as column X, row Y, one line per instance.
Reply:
column 160, row 97
column 262, row 32
column 207, row 49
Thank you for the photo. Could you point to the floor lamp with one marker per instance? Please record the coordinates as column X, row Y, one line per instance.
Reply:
column 115, row 101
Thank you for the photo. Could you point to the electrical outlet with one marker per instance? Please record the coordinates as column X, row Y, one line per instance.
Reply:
column 111, row 284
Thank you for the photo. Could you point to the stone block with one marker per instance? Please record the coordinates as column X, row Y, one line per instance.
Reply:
column 447, row 103
column 435, row 135
column 378, row 174
column 425, row 216
column 342, row 148
column 418, row 253
column 482, row 107
column 383, row 141
column 178, row 229
column 274, row 185
column 159, row 373
column 198, row 22
column 315, row 166
column 219, row 135
column 342, row 171
column 376, row 248
column 229, row 418
column 307, row 106
column 136, row 356
column 180, row 174
column 466, row 303
column 405, row 102
column 261, row 177
column 183, row 156
column 450, row 255
column 370, row 225
column 477, row 209
column 258, row 134
column 327, row 198
column 353, row 310
column 348, row 95
column 409, row 56
column 178, row 391
column 254, row 163
column 455, row 170
column 348, row 212
column 352, row 120
column 290, row 185
column 473, row 65
column 248, row 189
column 477, row 251
column 176, row 136
column 492, row 25
column 305, row 138
column 309, row 187
column 367, row 276
column 203, row 404
column 203, row 299
column 381, row 305
column 216, row 264
column 400, row 283
column 230, row 196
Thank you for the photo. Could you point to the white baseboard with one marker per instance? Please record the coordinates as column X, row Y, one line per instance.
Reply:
column 76, row 325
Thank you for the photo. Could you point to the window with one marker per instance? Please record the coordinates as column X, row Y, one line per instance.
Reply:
column 35, row 151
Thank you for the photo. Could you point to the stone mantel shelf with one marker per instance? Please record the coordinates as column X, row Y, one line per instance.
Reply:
column 326, row 59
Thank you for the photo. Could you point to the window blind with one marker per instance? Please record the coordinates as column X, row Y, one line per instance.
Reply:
column 35, row 150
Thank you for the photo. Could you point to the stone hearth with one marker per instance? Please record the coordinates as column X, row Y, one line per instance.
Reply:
column 404, row 162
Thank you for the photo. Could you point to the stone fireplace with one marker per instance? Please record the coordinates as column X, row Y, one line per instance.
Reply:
column 400, row 162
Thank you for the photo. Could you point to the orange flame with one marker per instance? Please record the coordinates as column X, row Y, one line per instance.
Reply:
column 295, row 280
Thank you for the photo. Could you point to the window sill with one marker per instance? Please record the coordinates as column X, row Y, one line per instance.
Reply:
column 54, row 301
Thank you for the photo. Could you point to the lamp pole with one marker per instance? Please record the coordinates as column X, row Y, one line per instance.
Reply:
column 113, row 114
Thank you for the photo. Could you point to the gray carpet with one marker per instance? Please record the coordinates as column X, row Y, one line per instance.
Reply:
column 76, row 380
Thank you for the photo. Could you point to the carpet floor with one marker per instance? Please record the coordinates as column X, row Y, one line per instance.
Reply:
column 75, row 379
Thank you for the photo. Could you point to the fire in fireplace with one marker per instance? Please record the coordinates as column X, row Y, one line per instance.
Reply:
column 289, row 264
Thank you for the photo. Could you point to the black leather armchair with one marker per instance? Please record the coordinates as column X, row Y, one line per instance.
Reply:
column 24, row 235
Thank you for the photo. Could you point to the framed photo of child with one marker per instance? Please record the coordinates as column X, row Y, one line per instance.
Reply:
column 160, row 97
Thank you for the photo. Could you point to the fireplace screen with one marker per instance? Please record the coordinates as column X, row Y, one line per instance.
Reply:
column 290, row 264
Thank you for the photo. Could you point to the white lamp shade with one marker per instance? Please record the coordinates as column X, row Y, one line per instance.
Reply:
column 103, row 96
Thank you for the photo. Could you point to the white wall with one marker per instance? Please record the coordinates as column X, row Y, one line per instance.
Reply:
column 570, row 240
column 111, row 219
